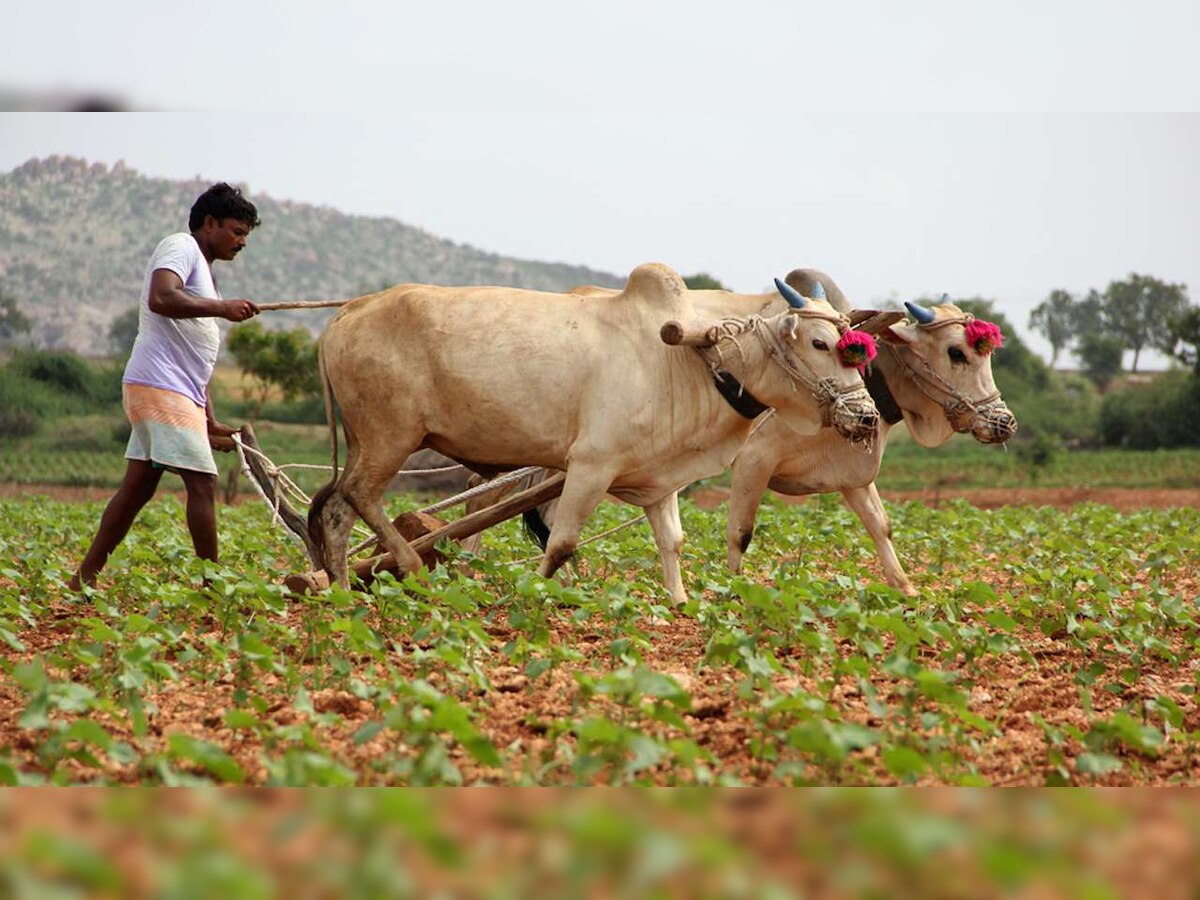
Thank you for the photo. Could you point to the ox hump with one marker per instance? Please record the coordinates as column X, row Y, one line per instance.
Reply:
column 655, row 283
column 805, row 281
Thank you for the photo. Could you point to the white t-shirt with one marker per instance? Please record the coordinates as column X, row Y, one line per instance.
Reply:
column 176, row 354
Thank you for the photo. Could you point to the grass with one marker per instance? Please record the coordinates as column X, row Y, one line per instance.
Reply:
column 962, row 462
column 87, row 451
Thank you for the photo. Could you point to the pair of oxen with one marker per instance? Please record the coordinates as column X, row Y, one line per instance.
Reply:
column 639, row 392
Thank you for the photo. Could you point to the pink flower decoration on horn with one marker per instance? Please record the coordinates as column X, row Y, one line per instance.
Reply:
column 984, row 336
column 856, row 348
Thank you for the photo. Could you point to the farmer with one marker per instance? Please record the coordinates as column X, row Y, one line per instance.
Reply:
column 165, row 386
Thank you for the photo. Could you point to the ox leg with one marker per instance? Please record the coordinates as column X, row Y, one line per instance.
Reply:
column 336, row 519
column 868, row 506
column 746, row 488
column 363, row 487
column 582, row 491
column 668, row 534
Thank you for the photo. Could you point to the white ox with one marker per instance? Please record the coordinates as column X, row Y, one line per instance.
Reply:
column 500, row 377
column 926, row 373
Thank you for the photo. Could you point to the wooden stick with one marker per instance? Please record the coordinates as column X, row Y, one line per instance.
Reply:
column 295, row 522
column 315, row 582
column 677, row 335
column 300, row 304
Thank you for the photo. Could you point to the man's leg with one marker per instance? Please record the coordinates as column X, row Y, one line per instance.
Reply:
column 136, row 490
column 202, row 512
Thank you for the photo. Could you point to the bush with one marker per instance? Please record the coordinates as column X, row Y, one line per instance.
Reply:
column 25, row 404
column 69, row 375
column 1164, row 413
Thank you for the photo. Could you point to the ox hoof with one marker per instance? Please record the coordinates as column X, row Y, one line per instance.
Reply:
column 307, row 583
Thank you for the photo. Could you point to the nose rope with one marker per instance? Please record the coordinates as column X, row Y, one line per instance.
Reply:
column 960, row 408
column 953, row 402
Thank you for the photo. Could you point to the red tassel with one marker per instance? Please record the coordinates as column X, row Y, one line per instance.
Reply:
column 856, row 348
column 984, row 336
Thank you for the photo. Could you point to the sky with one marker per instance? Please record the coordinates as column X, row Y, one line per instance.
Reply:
column 906, row 149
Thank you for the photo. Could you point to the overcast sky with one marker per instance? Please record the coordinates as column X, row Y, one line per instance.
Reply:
column 906, row 148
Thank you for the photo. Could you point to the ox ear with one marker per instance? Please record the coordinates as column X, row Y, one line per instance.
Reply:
column 872, row 321
column 899, row 333
column 787, row 327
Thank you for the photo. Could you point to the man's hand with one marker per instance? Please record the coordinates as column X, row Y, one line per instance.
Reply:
column 220, row 437
column 239, row 310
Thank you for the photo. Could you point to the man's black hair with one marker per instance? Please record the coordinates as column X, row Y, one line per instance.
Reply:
column 222, row 201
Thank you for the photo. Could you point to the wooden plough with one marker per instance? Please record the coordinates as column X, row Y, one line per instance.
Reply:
column 421, row 530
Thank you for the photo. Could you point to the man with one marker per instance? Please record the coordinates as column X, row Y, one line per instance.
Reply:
column 165, row 386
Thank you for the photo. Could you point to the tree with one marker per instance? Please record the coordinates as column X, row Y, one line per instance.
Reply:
column 13, row 322
column 1185, row 330
column 122, row 331
column 1139, row 309
column 1053, row 318
column 283, row 360
column 1100, row 354
column 1087, row 316
column 702, row 281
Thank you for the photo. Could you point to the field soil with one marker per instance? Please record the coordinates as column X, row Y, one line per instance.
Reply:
column 1123, row 500
column 1012, row 693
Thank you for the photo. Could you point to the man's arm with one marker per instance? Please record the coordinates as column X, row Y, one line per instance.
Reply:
column 169, row 298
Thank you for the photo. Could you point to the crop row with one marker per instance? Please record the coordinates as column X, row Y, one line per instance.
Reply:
column 1044, row 647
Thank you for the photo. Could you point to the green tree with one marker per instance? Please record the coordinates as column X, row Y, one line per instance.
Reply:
column 1053, row 319
column 1185, row 329
column 1087, row 316
column 1101, row 355
column 122, row 331
column 282, row 360
column 1138, row 310
column 702, row 281
column 13, row 322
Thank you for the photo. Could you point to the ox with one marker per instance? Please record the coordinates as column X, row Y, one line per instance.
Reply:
column 928, row 374
column 501, row 377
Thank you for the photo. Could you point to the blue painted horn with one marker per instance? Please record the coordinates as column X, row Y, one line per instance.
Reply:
column 790, row 294
column 920, row 313
column 818, row 291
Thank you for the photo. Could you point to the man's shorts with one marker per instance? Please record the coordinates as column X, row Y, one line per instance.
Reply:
column 168, row 429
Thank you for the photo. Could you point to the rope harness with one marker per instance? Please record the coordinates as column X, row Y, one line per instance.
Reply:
column 834, row 402
column 961, row 411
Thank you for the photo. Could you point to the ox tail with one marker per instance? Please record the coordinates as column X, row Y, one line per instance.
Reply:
column 315, row 530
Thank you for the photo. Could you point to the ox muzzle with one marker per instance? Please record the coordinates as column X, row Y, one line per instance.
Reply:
column 850, row 412
column 988, row 423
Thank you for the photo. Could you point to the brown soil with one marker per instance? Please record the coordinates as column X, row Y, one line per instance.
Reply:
column 1022, row 696
column 1124, row 500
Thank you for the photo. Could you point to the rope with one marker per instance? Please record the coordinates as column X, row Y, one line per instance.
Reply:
column 595, row 537
column 482, row 489
column 276, row 518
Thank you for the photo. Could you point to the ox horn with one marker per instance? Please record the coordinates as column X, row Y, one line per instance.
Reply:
column 818, row 292
column 790, row 294
column 920, row 313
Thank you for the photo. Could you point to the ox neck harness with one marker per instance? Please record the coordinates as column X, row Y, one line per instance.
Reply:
column 961, row 411
column 744, row 403
column 885, row 400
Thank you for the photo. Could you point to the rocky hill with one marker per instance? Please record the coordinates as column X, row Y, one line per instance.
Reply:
column 75, row 237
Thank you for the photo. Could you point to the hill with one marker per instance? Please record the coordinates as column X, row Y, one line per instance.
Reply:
column 75, row 237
